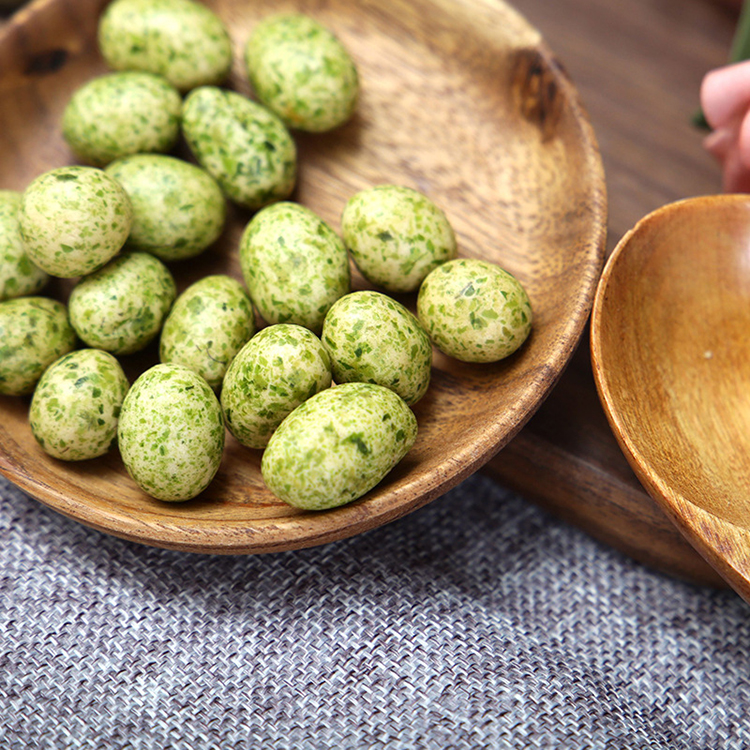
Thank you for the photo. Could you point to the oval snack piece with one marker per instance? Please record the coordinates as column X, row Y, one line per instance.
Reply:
column 120, row 114
column 396, row 236
column 171, row 433
column 240, row 143
column 182, row 40
column 73, row 220
column 18, row 275
column 34, row 332
column 208, row 324
column 178, row 208
column 302, row 72
column 295, row 266
column 275, row 372
column 76, row 405
column 372, row 338
column 122, row 307
column 338, row 445
column 474, row 310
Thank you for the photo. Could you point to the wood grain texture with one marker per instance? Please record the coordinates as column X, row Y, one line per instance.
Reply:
column 461, row 100
column 638, row 65
column 568, row 461
column 671, row 358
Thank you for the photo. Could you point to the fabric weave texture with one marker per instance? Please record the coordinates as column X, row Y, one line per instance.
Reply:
column 477, row 622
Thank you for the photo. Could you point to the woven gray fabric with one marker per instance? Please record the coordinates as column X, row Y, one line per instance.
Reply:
column 477, row 622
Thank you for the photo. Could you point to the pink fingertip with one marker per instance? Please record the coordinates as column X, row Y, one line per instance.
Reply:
column 725, row 93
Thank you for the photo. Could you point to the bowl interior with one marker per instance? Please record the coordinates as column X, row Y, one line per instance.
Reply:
column 461, row 100
column 671, row 362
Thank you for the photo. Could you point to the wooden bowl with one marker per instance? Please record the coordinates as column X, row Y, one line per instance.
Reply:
column 671, row 355
column 460, row 99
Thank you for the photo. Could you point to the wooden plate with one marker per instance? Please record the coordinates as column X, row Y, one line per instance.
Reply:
column 671, row 357
column 460, row 99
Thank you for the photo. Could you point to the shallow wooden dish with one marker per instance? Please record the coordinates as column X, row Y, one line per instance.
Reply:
column 461, row 100
column 671, row 356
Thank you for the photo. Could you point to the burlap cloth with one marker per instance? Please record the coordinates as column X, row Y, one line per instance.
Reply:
column 477, row 622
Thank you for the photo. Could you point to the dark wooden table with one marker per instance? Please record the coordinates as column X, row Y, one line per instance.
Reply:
column 638, row 66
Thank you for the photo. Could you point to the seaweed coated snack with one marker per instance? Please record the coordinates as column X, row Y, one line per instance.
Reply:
column 278, row 369
column 241, row 144
column 19, row 277
column 171, row 433
column 294, row 264
column 121, row 307
column 302, row 72
column 162, row 36
column 396, row 236
column 178, row 208
column 34, row 332
column 338, row 445
column 372, row 338
column 76, row 405
column 474, row 310
column 208, row 324
column 73, row 220
column 120, row 114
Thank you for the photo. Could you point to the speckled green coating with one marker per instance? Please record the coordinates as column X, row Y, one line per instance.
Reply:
column 474, row 310
column 76, row 405
column 171, row 433
column 295, row 266
column 208, row 324
column 243, row 145
column 374, row 339
column 338, row 445
column 183, row 41
column 18, row 275
column 34, row 332
column 396, row 236
column 122, row 307
column 73, row 220
column 275, row 372
column 178, row 208
column 302, row 72
column 120, row 114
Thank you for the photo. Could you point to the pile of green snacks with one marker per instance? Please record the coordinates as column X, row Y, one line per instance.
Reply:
column 324, row 385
